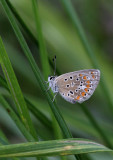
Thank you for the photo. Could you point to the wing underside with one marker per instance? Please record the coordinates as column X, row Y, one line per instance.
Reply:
column 78, row 86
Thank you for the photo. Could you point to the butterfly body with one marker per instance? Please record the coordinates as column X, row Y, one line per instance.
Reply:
column 75, row 86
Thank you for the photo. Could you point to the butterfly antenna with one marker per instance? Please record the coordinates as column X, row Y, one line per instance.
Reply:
column 54, row 60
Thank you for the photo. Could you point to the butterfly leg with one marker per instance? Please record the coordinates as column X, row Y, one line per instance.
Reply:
column 46, row 82
column 48, row 89
column 54, row 96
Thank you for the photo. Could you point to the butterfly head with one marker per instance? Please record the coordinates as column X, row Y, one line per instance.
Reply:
column 51, row 78
column 52, row 83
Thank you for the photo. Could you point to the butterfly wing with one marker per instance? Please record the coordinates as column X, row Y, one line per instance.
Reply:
column 78, row 86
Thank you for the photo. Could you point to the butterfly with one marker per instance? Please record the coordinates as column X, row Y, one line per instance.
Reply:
column 77, row 86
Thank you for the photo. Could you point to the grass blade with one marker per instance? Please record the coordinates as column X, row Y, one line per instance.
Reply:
column 4, row 141
column 36, row 71
column 76, row 22
column 43, row 51
column 96, row 126
column 15, row 118
column 15, row 90
column 52, row 148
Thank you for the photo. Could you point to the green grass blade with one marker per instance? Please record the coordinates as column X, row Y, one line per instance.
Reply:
column 4, row 141
column 36, row 71
column 39, row 115
column 27, row 31
column 15, row 90
column 52, row 148
column 103, row 135
column 22, row 23
column 15, row 118
column 43, row 51
column 76, row 22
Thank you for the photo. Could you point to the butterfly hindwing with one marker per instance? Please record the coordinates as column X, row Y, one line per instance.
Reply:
column 78, row 86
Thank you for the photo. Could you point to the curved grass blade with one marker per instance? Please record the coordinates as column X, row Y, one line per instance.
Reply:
column 52, row 148
column 15, row 90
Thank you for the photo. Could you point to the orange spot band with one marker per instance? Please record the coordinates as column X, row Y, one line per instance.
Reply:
column 93, row 76
column 87, row 85
column 78, row 97
column 88, row 82
column 83, row 93
column 85, row 77
column 86, row 89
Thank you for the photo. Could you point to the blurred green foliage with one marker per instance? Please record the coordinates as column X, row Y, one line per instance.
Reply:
column 62, row 40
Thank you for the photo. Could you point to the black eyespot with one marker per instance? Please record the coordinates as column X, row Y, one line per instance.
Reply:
column 81, row 85
column 77, row 79
column 71, row 92
column 67, row 85
column 71, row 77
column 76, row 90
column 85, row 94
column 50, row 78
column 68, row 94
column 81, row 81
column 65, row 79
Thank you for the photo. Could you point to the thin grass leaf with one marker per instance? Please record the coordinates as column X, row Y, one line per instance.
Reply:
column 52, row 148
column 36, row 71
column 15, row 118
column 15, row 90
column 43, row 51
column 103, row 135
column 70, row 10
column 37, row 113
column 22, row 23
column 4, row 141
column 27, row 31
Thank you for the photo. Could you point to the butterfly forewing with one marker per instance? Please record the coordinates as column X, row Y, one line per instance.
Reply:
column 78, row 86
